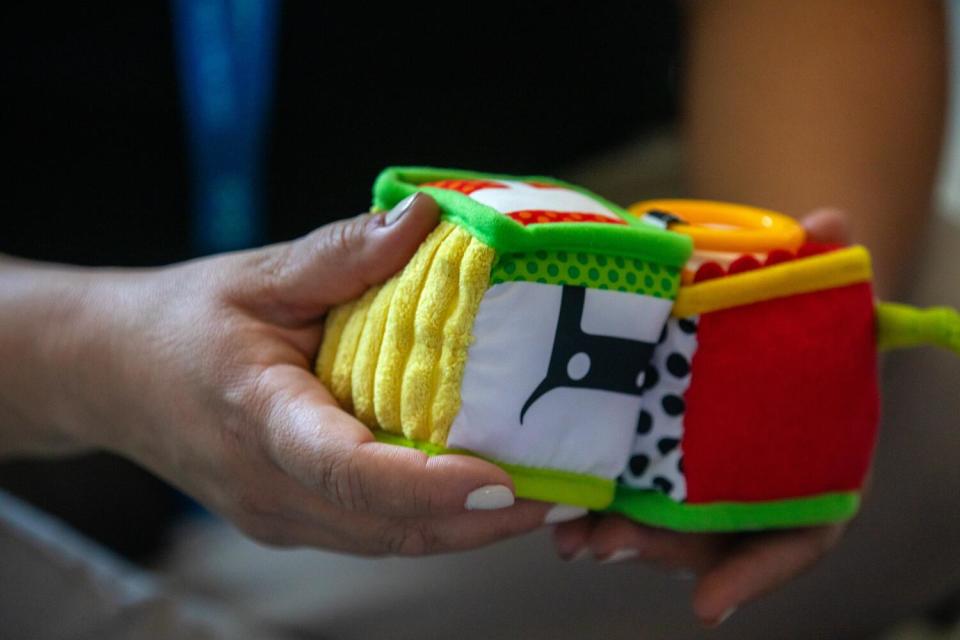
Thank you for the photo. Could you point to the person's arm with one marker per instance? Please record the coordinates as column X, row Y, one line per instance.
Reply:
column 201, row 372
column 800, row 105
column 39, row 305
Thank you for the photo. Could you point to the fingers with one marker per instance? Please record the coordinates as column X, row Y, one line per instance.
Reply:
column 615, row 539
column 757, row 566
column 365, row 533
column 299, row 280
column 309, row 437
column 827, row 226
column 734, row 569
column 275, row 509
column 402, row 481
column 571, row 538
column 463, row 532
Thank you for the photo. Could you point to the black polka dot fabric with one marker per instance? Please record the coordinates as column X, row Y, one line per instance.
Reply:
column 663, row 484
column 666, row 445
column 657, row 454
column 677, row 365
column 639, row 464
column 687, row 325
column 673, row 405
column 644, row 422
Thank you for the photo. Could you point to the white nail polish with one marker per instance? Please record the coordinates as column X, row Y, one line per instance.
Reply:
column 563, row 513
column 620, row 555
column 401, row 208
column 723, row 616
column 493, row 496
column 582, row 553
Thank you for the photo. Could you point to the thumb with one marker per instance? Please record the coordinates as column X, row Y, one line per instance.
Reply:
column 341, row 260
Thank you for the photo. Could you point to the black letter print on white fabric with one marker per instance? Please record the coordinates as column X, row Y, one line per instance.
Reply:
column 587, row 361
column 661, row 219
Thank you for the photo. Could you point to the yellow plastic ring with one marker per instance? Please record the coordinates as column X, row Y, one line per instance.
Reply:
column 724, row 226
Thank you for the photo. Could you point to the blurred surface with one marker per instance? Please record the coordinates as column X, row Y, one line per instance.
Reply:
column 58, row 585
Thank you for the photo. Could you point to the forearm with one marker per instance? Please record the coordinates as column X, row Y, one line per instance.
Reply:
column 39, row 310
column 800, row 105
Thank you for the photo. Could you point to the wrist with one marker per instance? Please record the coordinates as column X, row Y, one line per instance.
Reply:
column 42, row 310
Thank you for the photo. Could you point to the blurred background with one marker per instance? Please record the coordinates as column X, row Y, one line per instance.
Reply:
column 98, row 148
column 115, row 156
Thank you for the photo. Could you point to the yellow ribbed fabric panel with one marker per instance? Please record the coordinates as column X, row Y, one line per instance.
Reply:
column 396, row 356
column 332, row 330
column 368, row 351
column 457, row 335
column 437, row 299
column 399, row 335
column 341, row 377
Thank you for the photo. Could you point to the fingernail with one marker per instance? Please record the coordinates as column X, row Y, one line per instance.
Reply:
column 723, row 618
column 493, row 496
column 563, row 513
column 620, row 555
column 579, row 554
column 400, row 209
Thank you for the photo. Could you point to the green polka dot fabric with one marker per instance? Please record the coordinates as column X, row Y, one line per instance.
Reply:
column 589, row 270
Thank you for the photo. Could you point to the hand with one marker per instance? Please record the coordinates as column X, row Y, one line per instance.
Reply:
column 731, row 569
column 201, row 372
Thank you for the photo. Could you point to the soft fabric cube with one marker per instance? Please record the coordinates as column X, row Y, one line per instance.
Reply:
column 766, row 408
column 520, row 331
column 693, row 366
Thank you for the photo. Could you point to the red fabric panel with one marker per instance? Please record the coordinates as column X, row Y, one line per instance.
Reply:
column 542, row 185
column 783, row 400
column 540, row 216
column 465, row 187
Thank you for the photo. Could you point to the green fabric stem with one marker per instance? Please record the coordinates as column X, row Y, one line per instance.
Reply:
column 900, row 325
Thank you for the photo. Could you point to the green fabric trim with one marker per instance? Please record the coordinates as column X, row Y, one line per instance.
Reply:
column 547, row 485
column 900, row 325
column 404, row 177
column 656, row 509
column 587, row 270
column 635, row 240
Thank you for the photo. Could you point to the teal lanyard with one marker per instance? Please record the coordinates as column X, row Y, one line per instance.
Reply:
column 225, row 52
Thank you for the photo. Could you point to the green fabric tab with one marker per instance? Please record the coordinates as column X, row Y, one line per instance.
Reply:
column 581, row 269
column 900, row 325
column 633, row 240
column 547, row 485
column 654, row 508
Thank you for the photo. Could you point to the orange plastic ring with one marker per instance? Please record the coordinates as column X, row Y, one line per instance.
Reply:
column 724, row 226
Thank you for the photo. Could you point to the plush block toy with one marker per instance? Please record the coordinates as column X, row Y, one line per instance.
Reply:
column 545, row 329
column 520, row 331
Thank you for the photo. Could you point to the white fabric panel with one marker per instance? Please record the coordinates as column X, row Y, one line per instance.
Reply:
column 612, row 313
column 522, row 197
column 580, row 430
